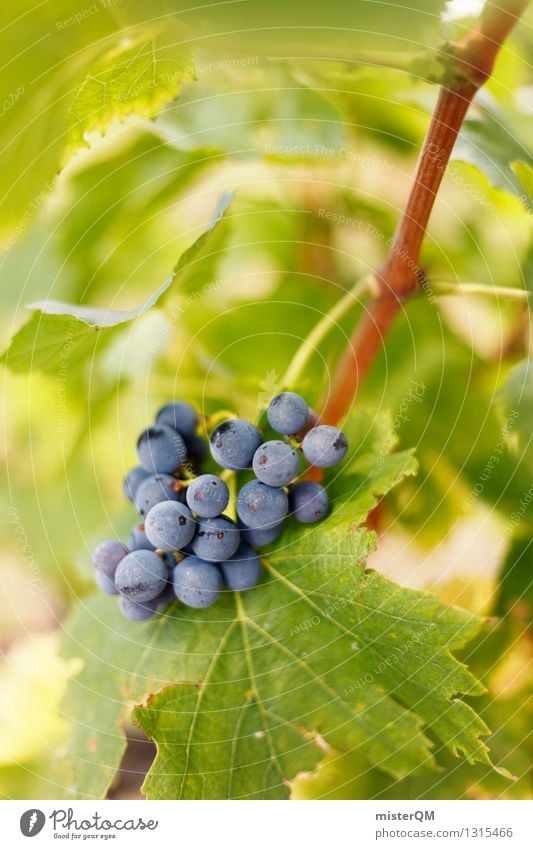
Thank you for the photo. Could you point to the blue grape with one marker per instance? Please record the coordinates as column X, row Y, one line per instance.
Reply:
column 308, row 501
column 138, row 539
column 141, row 576
column 276, row 463
column 207, row 496
column 107, row 555
column 197, row 583
column 161, row 449
column 179, row 415
column 287, row 413
column 234, row 443
column 216, row 539
column 261, row 506
column 137, row 611
column 169, row 525
column 154, row 489
column 243, row 570
column 107, row 585
column 324, row 446
column 261, row 536
column 133, row 480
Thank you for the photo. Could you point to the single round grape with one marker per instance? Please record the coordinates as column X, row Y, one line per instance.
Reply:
column 276, row 463
column 261, row 536
column 133, row 480
column 107, row 585
column 154, row 489
column 243, row 570
column 161, row 449
column 234, row 443
column 138, row 539
column 179, row 415
column 324, row 446
column 308, row 501
column 136, row 611
column 197, row 583
column 169, row 525
column 107, row 555
column 141, row 576
column 287, row 413
column 207, row 496
column 216, row 539
column 261, row 506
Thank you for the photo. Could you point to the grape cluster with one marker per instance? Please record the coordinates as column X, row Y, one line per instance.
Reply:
column 187, row 545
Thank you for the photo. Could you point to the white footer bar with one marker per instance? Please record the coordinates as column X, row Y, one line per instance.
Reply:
column 269, row 825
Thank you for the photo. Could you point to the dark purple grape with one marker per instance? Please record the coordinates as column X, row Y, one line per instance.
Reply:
column 259, row 536
column 141, row 576
column 207, row 496
column 137, row 611
column 107, row 555
column 276, row 463
column 197, row 583
column 287, row 413
column 179, row 415
column 161, row 449
column 133, row 480
column 324, row 446
column 261, row 506
column 216, row 539
column 234, row 443
column 107, row 585
column 308, row 501
column 243, row 570
column 154, row 489
column 170, row 526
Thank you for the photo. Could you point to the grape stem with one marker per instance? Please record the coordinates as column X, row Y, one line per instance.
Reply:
column 364, row 286
column 441, row 287
column 469, row 63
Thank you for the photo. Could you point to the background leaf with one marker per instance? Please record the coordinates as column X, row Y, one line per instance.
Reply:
column 59, row 333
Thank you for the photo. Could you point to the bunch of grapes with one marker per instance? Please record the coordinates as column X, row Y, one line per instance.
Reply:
column 191, row 541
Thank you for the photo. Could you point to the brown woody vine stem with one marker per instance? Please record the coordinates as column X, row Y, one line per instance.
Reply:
column 469, row 63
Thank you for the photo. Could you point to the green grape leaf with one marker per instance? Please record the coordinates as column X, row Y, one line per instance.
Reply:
column 113, row 245
column 136, row 78
column 494, row 141
column 342, row 776
column 91, row 65
column 60, row 339
column 241, row 697
column 506, row 707
column 73, row 69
